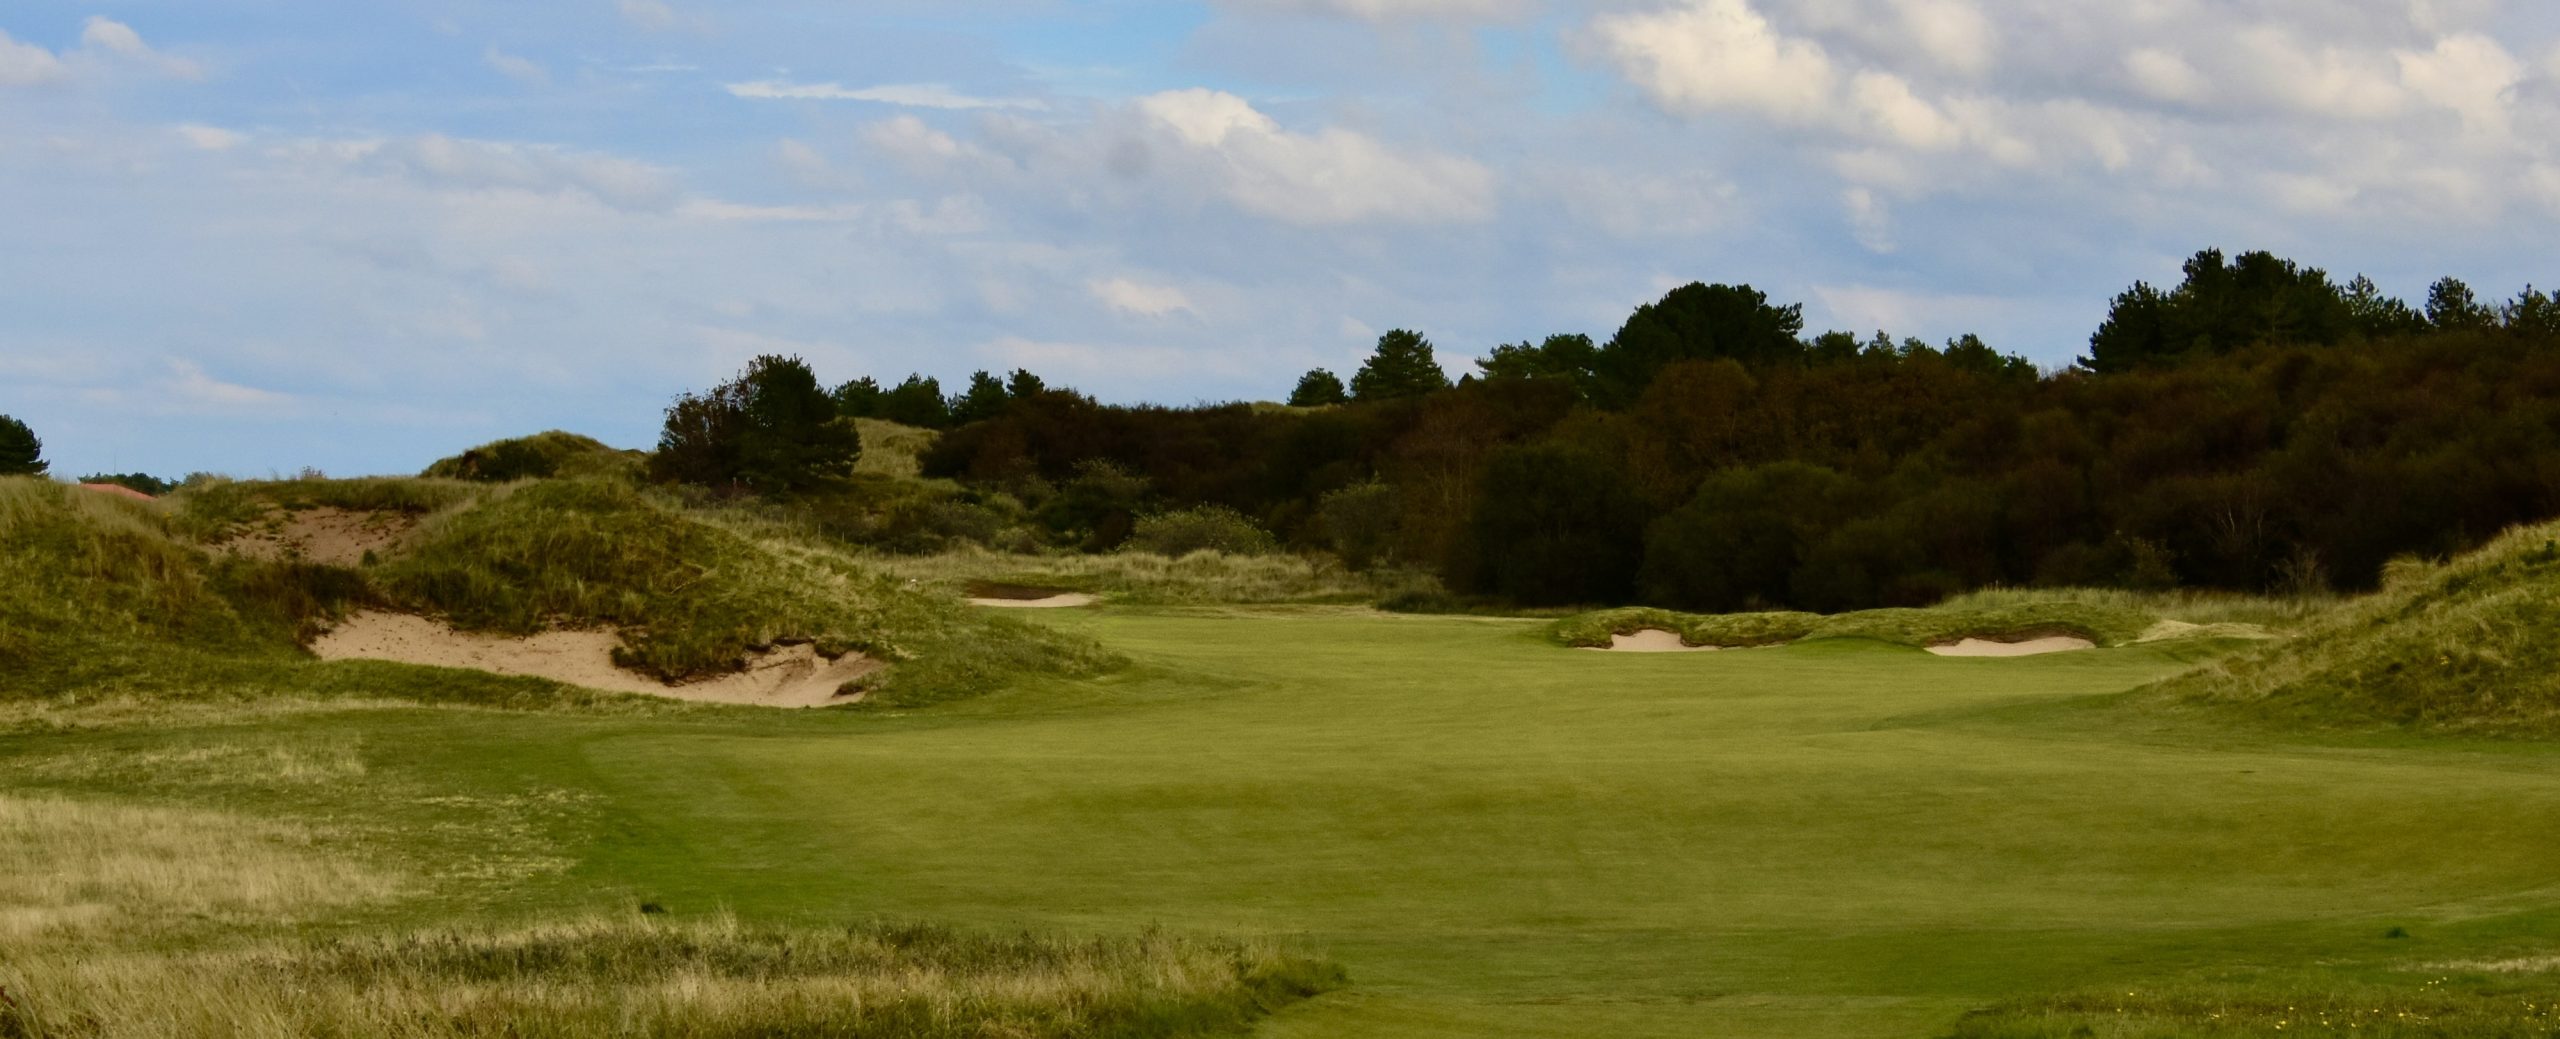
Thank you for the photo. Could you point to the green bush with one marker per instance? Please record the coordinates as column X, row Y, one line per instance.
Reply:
column 542, row 455
column 1209, row 528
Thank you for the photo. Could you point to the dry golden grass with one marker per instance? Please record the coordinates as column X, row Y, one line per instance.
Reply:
column 74, row 868
column 634, row 977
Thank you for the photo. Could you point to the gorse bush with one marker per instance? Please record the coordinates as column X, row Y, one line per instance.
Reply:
column 1209, row 528
column 719, row 980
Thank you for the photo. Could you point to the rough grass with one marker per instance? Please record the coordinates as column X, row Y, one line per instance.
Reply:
column 2454, row 1004
column 218, row 509
column 86, row 869
column 1146, row 578
column 2463, row 645
column 891, row 449
column 628, row 977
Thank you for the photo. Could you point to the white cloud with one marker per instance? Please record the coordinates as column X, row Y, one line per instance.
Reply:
column 2468, row 73
column 27, row 65
column 1955, row 33
column 1333, row 176
column 908, row 139
column 911, row 95
column 2164, row 76
column 1870, row 222
column 2316, row 78
column 1712, row 55
column 479, row 165
column 105, row 34
column 1141, row 299
column 188, row 384
column 1894, row 111
column 210, row 138
column 523, row 70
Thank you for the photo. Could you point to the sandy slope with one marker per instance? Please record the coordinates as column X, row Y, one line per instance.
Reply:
column 788, row 676
column 334, row 537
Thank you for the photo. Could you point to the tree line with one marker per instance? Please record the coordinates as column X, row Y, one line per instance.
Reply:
column 2256, row 427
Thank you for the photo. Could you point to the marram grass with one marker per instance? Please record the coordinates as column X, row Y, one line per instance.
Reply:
column 2465, row 645
column 635, row 977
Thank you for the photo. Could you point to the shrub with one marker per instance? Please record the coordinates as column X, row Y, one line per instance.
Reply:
column 1360, row 522
column 770, row 430
column 540, row 456
column 1212, row 528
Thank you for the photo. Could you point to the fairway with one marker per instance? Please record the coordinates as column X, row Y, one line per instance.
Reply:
column 1497, row 836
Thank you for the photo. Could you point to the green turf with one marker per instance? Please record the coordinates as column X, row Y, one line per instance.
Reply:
column 1495, row 835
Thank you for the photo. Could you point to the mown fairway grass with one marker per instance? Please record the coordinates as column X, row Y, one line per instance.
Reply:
column 1496, row 836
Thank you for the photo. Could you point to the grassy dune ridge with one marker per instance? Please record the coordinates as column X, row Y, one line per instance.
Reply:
column 2465, row 644
column 104, row 595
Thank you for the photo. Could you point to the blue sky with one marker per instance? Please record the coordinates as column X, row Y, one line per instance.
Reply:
column 258, row 235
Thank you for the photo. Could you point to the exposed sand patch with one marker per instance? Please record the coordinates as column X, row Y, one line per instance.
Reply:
column 787, row 676
column 331, row 537
column 1650, row 640
column 2169, row 629
column 1024, row 596
column 1061, row 600
column 2027, row 648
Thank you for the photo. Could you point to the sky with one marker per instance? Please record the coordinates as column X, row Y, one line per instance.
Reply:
column 255, row 236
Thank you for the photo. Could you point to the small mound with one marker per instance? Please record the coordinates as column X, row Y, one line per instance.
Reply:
column 2026, row 648
column 328, row 536
column 787, row 676
column 1650, row 640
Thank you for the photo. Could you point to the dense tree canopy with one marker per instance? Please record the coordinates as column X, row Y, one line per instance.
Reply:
column 770, row 430
column 1318, row 388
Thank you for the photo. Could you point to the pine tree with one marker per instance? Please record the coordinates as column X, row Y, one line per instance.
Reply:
column 1401, row 367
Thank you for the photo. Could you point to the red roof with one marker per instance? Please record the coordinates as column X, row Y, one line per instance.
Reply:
column 117, row 489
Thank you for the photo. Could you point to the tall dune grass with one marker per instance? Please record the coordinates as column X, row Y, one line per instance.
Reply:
column 2464, row 644
column 1146, row 578
column 631, row 977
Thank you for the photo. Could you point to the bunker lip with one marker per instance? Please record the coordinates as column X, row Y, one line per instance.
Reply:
column 1024, row 597
column 2012, row 646
column 1650, row 640
column 788, row 676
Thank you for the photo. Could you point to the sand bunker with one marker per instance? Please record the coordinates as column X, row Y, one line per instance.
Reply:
column 2027, row 648
column 1650, row 640
column 1052, row 602
column 1024, row 597
column 789, row 676
column 332, row 537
